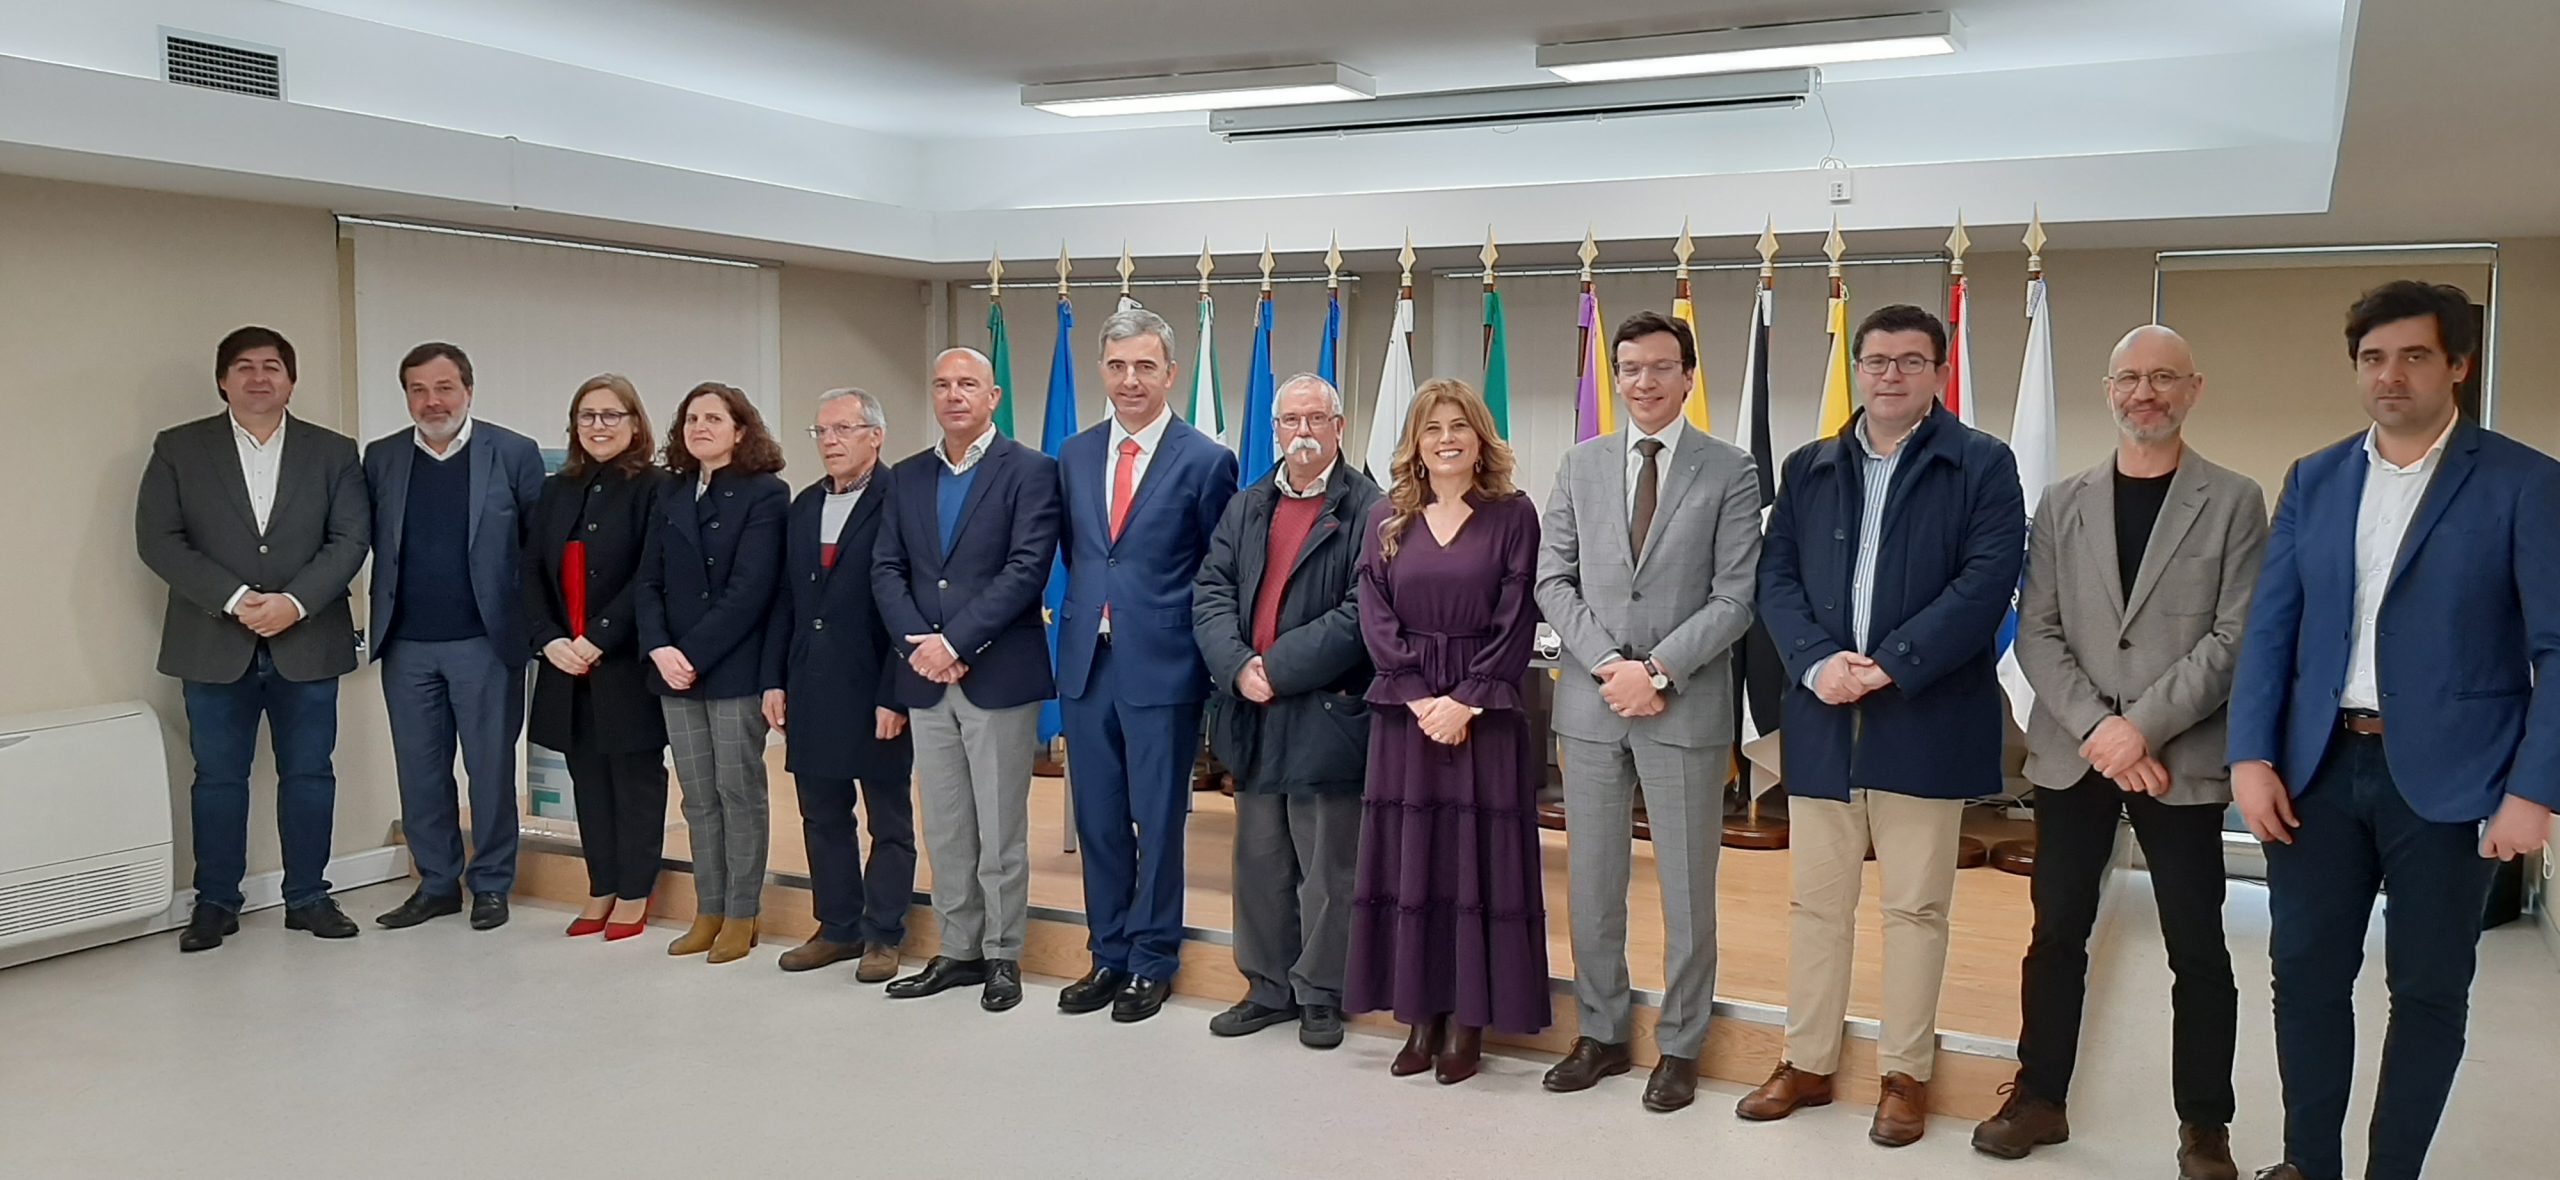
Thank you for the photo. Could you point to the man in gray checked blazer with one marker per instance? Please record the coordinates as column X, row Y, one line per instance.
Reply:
column 2139, row 573
column 1652, row 535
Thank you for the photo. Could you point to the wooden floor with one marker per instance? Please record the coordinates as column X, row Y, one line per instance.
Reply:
column 1991, row 920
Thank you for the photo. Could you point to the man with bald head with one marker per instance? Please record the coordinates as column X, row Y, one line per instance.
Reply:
column 2139, row 575
column 957, row 574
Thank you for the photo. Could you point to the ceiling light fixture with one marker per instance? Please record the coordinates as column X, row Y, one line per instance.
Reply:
column 1216, row 90
column 1759, row 47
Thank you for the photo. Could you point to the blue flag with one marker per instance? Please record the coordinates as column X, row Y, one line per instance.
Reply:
column 1057, row 425
column 1332, row 342
column 1254, row 451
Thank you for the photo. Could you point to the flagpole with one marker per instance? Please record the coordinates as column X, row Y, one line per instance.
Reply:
column 1753, row 829
column 1590, row 413
column 1393, row 401
column 2034, row 468
column 1961, row 395
column 1497, row 349
column 999, row 349
column 1051, row 758
column 1684, row 307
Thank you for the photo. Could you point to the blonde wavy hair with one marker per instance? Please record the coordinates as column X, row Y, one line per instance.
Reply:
column 1411, row 489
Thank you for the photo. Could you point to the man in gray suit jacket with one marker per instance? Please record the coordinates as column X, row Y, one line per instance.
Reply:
column 2139, row 573
column 1652, row 536
column 451, row 500
column 257, row 521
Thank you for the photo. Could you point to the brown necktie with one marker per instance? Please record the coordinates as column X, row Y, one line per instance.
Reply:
column 1648, row 491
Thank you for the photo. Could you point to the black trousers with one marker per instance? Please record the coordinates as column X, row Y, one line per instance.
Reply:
column 858, row 903
column 2075, row 839
column 622, row 810
column 2359, row 837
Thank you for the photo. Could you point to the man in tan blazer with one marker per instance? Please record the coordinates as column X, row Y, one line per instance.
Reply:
column 2139, row 572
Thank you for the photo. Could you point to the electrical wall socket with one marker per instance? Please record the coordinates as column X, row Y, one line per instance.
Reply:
column 1837, row 186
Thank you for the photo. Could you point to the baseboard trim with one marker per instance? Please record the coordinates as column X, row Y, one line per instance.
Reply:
column 265, row 891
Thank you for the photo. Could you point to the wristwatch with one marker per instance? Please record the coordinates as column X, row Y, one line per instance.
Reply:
column 1661, row 679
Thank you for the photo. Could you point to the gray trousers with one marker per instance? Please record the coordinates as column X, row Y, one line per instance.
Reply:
column 719, row 756
column 1684, row 804
column 1297, row 860
column 973, row 779
column 440, row 695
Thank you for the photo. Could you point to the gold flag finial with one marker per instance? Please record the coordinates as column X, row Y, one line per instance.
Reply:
column 1488, row 254
column 1126, row 267
column 1957, row 244
column 995, row 276
column 1835, row 246
column 1333, row 264
column 1769, row 248
column 1684, row 249
column 1206, row 265
column 1063, row 267
column 1590, row 250
column 1266, row 264
column 2035, row 240
column 1405, row 258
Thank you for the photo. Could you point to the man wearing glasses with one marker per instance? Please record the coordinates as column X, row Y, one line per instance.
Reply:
column 828, row 662
column 2139, row 574
column 1891, row 558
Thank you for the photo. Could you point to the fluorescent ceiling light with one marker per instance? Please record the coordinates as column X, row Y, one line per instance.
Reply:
column 1760, row 47
column 1219, row 90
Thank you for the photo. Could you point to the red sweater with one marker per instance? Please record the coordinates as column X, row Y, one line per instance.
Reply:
column 1291, row 521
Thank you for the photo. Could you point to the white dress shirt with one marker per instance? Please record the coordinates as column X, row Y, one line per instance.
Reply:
column 1323, row 481
column 1670, row 439
column 450, row 449
column 2391, row 498
column 1149, row 436
column 259, row 464
column 969, row 455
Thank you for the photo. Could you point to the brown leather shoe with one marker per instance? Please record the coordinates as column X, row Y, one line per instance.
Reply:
column 1421, row 1045
column 879, row 963
column 1902, row 1115
column 2025, row 1123
column 2281, row 1172
column 1787, row 1091
column 1590, row 1061
column 2204, row 1152
column 1460, row 1057
column 818, row 952
column 1674, row 1084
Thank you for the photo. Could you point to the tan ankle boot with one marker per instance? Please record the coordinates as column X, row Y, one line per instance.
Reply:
column 697, row 939
column 736, row 936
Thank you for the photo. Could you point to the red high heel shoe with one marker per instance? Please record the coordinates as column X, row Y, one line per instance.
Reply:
column 583, row 927
column 617, row 931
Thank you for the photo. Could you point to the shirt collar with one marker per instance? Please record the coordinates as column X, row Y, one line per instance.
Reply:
column 242, row 432
column 1866, row 441
column 969, row 455
column 450, row 449
column 1324, row 480
column 1148, row 436
column 2373, row 450
column 1669, row 436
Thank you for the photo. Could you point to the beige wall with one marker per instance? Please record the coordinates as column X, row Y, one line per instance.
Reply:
column 841, row 329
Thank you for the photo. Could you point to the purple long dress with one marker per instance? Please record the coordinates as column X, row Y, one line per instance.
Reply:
column 1450, row 914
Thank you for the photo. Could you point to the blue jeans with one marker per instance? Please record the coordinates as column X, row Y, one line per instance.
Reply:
column 222, row 724
column 2359, row 837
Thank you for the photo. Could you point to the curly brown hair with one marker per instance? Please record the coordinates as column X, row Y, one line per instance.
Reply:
column 757, row 452
column 1411, row 489
column 636, row 455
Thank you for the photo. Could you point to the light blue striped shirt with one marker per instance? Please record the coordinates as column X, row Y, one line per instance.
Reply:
column 1876, row 476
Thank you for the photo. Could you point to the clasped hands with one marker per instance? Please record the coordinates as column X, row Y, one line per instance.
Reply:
column 1627, row 686
column 1442, row 719
column 935, row 659
column 1847, row 676
column 266, row 614
column 576, row 657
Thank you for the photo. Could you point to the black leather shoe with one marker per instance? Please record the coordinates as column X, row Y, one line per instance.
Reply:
column 206, row 926
column 1248, row 1017
column 488, row 911
column 322, row 918
column 939, row 975
column 1139, row 999
column 1320, row 1026
column 1004, row 986
column 1094, row 992
column 417, row 909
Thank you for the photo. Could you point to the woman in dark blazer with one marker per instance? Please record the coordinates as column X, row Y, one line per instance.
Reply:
column 591, row 699
column 706, row 585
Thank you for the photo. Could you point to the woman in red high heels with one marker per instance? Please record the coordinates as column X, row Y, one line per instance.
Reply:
column 591, row 699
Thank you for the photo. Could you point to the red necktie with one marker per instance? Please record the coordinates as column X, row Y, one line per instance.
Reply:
column 1124, row 484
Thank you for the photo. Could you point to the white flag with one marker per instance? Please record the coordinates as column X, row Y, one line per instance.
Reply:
column 1208, row 413
column 2031, row 439
column 1395, row 397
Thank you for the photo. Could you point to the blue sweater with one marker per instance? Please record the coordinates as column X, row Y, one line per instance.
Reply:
column 436, row 604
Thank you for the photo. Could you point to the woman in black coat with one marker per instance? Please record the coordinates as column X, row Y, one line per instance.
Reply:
column 591, row 699
column 706, row 587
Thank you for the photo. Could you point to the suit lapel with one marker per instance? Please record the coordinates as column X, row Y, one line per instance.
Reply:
column 2096, row 551
column 2177, row 518
column 1160, row 468
column 395, row 490
column 481, row 461
column 864, row 511
column 977, row 494
column 686, row 515
column 1613, row 489
column 236, row 489
column 2460, row 456
column 1675, row 486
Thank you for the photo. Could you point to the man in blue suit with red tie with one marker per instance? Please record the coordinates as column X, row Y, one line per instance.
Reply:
column 1142, row 493
column 2395, row 722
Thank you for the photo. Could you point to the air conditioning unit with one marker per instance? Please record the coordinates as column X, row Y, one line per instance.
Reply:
column 84, row 826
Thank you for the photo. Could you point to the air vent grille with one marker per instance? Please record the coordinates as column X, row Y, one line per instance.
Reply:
column 33, row 905
column 191, row 60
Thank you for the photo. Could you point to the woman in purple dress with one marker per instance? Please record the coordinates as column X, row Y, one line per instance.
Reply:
column 1449, row 925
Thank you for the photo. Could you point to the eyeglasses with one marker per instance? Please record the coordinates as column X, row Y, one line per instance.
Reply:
column 1302, row 421
column 1662, row 370
column 1912, row 364
column 2160, row 380
column 823, row 433
column 603, row 417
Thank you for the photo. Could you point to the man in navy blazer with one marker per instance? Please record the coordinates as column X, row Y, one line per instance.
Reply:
column 451, row 499
column 2394, row 723
column 963, row 556
column 1142, row 493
